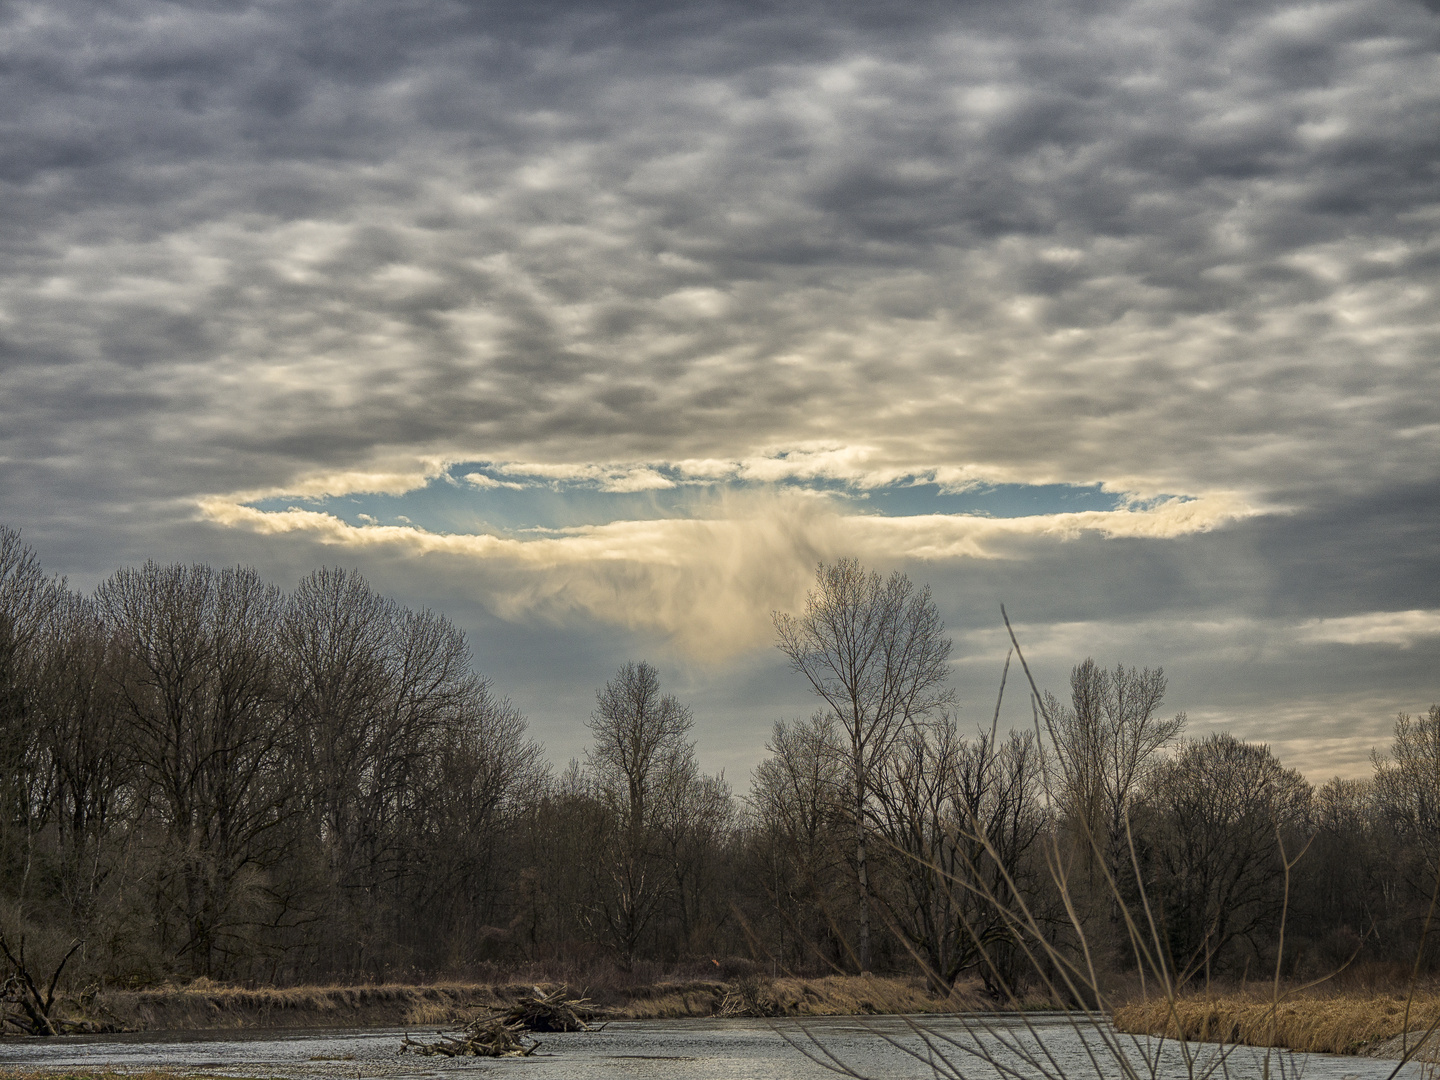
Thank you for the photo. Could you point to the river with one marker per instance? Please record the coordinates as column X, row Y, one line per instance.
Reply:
column 884, row 1048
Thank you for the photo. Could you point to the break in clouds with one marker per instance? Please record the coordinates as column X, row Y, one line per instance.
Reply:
column 764, row 266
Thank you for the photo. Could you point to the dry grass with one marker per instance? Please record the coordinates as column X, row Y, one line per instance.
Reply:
column 203, row 1005
column 831, row 995
column 850, row 995
column 206, row 1005
column 434, row 1014
column 1344, row 1023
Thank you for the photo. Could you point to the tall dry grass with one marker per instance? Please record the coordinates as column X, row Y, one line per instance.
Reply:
column 205, row 1005
column 1328, row 1023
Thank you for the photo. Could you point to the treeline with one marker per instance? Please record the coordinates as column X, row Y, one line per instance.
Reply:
column 201, row 775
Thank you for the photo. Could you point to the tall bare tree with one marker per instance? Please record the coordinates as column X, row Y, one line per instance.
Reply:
column 641, row 748
column 797, row 796
column 84, row 746
column 196, row 670
column 874, row 650
column 1223, row 808
column 957, row 817
column 1107, row 743
column 29, row 599
column 378, row 695
column 1407, row 793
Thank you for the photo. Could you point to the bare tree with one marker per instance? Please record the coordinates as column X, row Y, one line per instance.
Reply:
column 873, row 649
column 477, row 786
column 28, row 602
column 1344, row 893
column 640, row 748
column 1107, row 743
column 196, row 674
column 694, row 820
column 797, row 795
column 957, row 817
column 377, row 695
column 1220, row 806
column 1407, row 793
column 82, row 739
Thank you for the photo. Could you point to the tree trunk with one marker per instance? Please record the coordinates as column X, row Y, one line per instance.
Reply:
column 863, row 875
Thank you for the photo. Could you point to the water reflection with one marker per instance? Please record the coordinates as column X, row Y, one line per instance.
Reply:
column 739, row 1049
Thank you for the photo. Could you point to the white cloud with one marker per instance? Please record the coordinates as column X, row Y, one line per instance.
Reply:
column 639, row 479
column 710, row 582
column 480, row 480
column 614, row 478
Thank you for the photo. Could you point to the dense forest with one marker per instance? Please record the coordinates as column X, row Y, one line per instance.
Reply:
column 203, row 775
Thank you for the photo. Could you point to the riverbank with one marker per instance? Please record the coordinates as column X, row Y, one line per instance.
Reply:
column 206, row 1006
column 1360, row 1023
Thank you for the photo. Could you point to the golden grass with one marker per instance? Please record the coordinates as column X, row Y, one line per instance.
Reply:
column 852, row 995
column 435, row 1014
column 203, row 1005
column 830, row 995
column 1332, row 1024
column 206, row 1005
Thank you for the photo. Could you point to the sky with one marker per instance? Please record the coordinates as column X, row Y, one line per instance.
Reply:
column 597, row 326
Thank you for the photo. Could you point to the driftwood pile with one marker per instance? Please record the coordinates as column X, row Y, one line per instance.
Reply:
column 501, row 1034
column 486, row 1037
column 551, row 1011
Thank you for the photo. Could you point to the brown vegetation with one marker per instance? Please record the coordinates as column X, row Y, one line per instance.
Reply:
column 831, row 995
column 1330, row 1023
column 206, row 1005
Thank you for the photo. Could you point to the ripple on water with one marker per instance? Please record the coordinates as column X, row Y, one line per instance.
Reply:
column 732, row 1049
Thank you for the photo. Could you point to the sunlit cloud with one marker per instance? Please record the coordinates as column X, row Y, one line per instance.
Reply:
column 710, row 580
column 480, row 480
column 1402, row 628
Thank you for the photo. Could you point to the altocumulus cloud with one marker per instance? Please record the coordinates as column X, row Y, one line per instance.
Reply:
column 781, row 259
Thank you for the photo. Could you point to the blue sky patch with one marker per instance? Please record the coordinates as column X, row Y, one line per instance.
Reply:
column 513, row 502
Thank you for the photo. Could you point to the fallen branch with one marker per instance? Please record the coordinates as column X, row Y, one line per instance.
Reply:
column 551, row 1011
column 487, row 1037
column 500, row 1033
column 20, row 989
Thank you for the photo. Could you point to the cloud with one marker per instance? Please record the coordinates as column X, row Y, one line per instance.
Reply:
column 710, row 582
column 1161, row 248
column 315, row 249
column 1402, row 628
column 613, row 478
column 481, row 480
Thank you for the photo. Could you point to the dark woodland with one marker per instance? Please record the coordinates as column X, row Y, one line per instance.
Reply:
column 204, row 775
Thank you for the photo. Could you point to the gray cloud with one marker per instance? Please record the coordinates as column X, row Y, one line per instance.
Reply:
column 466, row 227
column 1188, row 249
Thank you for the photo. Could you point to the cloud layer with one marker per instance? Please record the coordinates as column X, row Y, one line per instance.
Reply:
column 309, row 249
column 709, row 582
column 1171, row 246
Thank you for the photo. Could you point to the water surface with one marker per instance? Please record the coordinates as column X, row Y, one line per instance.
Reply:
column 708, row 1049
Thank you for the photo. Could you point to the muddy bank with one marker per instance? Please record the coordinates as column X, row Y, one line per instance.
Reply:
column 205, row 1006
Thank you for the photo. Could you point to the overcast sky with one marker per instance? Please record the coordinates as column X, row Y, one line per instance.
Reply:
column 595, row 326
